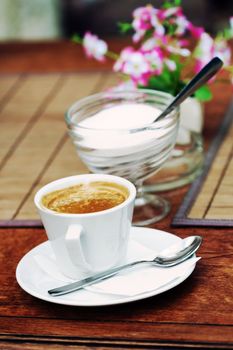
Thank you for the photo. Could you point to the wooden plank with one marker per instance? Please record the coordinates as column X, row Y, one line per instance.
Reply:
column 110, row 81
column 7, row 85
column 222, row 204
column 24, row 106
column 119, row 335
column 66, row 162
column 224, row 213
column 215, row 177
column 63, row 161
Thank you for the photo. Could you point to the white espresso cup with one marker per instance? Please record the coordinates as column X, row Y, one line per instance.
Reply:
column 88, row 243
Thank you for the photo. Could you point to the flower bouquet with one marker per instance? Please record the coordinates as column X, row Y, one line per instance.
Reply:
column 166, row 51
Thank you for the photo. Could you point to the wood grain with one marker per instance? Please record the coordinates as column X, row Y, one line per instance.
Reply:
column 215, row 200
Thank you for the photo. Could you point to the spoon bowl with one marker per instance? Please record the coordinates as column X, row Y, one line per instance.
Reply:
column 168, row 257
column 178, row 253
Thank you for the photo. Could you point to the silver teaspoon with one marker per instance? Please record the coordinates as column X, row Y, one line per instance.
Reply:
column 207, row 72
column 168, row 257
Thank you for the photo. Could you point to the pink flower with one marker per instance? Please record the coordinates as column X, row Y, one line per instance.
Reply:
column 182, row 25
column 124, row 56
column 183, row 42
column 154, row 58
column 222, row 51
column 196, row 32
column 154, row 42
column 137, row 67
column 171, row 65
column 204, row 51
column 94, row 47
column 209, row 48
column 177, row 49
column 164, row 36
column 159, row 29
column 171, row 12
column 175, row 16
column 142, row 17
column 150, row 44
column 135, row 64
column 146, row 18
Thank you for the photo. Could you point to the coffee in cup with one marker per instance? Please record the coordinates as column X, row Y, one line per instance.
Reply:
column 86, row 197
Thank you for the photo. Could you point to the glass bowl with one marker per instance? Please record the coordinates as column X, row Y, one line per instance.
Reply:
column 134, row 152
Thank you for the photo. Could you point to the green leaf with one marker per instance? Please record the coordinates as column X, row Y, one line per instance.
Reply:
column 227, row 33
column 77, row 39
column 171, row 3
column 168, row 81
column 161, row 83
column 203, row 93
column 124, row 27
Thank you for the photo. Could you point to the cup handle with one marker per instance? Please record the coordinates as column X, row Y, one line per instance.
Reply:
column 74, row 246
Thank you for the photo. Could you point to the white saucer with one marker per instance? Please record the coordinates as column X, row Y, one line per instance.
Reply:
column 36, row 282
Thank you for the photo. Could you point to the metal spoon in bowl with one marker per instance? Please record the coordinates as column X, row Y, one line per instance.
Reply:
column 207, row 72
column 171, row 256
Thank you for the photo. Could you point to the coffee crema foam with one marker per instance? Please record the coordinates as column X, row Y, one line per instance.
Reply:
column 86, row 198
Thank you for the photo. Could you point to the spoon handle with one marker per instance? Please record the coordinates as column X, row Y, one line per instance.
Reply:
column 207, row 72
column 72, row 287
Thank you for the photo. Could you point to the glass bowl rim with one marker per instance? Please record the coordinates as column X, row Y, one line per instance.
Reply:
column 97, row 96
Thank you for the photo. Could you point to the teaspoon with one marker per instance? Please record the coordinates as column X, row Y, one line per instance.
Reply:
column 207, row 72
column 168, row 257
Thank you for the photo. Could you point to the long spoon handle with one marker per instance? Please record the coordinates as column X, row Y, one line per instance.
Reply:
column 207, row 72
column 72, row 287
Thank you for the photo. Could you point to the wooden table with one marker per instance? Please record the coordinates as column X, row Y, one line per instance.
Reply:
column 196, row 314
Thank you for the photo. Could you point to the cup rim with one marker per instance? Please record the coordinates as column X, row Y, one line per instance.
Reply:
column 97, row 96
column 105, row 177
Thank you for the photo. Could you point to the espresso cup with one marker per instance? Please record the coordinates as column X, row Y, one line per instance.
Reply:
column 94, row 239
